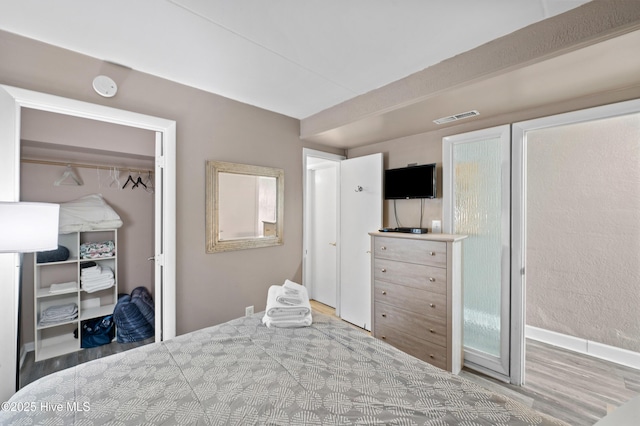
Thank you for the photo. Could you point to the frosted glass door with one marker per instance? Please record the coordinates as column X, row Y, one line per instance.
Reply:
column 478, row 183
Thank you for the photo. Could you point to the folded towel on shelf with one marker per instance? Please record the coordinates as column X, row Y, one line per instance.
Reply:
column 58, row 255
column 280, row 314
column 93, row 281
column 99, row 285
column 60, row 310
column 63, row 287
column 91, row 271
column 58, row 313
column 107, row 273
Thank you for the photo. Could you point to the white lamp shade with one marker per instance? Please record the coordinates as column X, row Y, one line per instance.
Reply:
column 28, row 227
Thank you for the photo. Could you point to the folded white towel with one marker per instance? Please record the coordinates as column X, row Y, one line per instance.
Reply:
column 107, row 273
column 63, row 287
column 292, row 294
column 291, row 287
column 96, row 282
column 289, row 300
column 91, row 270
column 98, row 285
column 287, row 322
column 99, row 278
column 276, row 309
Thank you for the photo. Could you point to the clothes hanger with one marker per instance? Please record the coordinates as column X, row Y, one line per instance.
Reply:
column 139, row 181
column 129, row 179
column 69, row 173
column 99, row 177
column 148, row 183
column 115, row 177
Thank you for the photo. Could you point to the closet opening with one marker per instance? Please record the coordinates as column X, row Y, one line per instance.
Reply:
column 70, row 160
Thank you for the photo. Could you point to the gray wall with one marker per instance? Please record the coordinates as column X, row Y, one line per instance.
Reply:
column 211, row 288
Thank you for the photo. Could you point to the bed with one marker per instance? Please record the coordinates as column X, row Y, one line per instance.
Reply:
column 243, row 373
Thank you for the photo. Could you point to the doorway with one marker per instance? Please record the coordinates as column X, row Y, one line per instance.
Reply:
column 12, row 100
column 578, row 242
column 102, row 156
column 356, row 210
column 321, row 252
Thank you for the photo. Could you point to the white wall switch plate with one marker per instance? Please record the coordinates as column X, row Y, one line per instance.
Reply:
column 248, row 311
column 436, row 227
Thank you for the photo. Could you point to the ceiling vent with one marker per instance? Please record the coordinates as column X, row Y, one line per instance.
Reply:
column 456, row 117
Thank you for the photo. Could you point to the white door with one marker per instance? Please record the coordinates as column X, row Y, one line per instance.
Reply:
column 321, row 224
column 360, row 213
column 324, row 228
column 477, row 184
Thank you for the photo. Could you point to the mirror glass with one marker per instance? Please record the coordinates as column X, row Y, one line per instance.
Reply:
column 247, row 206
column 244, row 206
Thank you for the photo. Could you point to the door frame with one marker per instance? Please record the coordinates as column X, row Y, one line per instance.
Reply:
column 306, row 243
column 10, row 191
column 519, row 205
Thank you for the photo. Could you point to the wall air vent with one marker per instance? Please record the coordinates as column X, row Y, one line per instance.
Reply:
column 456, row 117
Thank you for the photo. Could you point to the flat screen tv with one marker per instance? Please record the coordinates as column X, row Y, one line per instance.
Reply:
column 410, row 182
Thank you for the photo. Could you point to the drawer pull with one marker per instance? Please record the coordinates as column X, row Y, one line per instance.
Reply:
column 383, row 337
column 432, row 253
column 384, row 292
column 431, row 330
column 383, row 270
column 384, row 315
column 431, row 356
column 433, row 280
column 432, row 305
column 383, row 248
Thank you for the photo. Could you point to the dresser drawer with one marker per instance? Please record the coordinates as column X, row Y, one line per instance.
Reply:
column 432, row 329
column 419, row 301
column 421, row 349
column 424, row 277
column 432, row 253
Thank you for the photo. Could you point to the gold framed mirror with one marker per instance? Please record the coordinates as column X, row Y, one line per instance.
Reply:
column 244, row 206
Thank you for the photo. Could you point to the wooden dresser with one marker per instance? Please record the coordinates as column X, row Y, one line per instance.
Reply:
column 417, row 295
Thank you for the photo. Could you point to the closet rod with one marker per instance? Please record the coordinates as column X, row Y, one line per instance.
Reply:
column 85, row 166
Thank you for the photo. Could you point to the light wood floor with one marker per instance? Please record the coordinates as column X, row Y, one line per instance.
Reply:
column 572, row 387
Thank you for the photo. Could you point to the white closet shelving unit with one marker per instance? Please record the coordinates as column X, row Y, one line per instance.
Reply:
column 58, row 339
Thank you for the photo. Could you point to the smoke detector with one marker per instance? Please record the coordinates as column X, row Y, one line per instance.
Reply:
column 105, row 86
column 456, row 117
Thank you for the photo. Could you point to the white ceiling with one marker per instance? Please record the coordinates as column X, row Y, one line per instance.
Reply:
column 294, row 57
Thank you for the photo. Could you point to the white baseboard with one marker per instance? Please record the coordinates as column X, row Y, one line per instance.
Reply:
column 584, row 346
column 27, row 347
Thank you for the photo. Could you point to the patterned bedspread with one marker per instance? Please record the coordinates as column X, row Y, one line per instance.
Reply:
column 242, row 373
